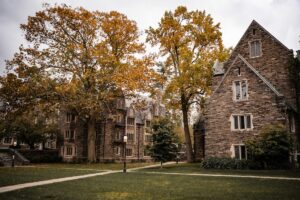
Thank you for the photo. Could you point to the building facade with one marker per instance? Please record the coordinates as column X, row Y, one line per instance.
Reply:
column 252, row 89
column 124, row 119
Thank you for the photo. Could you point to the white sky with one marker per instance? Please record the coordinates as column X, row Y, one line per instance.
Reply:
column 279, row 17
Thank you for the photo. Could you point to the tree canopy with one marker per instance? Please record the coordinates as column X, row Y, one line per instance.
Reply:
column 190, row 42
column 79, row 59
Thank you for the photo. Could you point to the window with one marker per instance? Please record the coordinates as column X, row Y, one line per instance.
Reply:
column 239, row 71
column 119, row 118
column 70, row 117
column 255, row 49
column 128, row 152
column 130, row 121
column 240, row 152
column 130, row 136
column 118, row 150
column 240, row 90
column 118, row 134
column 148, row 124
column 70, row 134
column 254, row 31
column 148, row 138
column 7, row 140
column 241, row 122
column 292, row 123
column 69, row 151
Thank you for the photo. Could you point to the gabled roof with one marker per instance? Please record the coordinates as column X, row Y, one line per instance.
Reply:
column 256, row 73
column 262, row 28
column 252, row 69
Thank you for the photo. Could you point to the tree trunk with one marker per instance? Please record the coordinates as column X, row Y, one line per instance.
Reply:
column 187, row 135
column 91, row 140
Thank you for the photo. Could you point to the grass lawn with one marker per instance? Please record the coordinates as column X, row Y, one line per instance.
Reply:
column 97, row 166
column 141, row 185
column 17, row 175
column 154, row 186
column 195, row 168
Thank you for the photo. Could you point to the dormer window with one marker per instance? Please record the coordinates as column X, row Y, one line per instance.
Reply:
column 255, row 49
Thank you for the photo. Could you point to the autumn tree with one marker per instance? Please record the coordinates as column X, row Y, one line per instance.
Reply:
column 190, row 42
column 79, row 59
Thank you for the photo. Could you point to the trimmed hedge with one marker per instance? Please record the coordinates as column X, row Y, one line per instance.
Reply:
column 229, row 163
column 41, row 156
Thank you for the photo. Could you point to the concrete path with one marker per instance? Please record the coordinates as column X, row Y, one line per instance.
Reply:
column 46, row 182
column 226, row 175
column 58, row 180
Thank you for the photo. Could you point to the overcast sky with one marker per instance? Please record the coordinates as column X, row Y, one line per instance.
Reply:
column 280, row 17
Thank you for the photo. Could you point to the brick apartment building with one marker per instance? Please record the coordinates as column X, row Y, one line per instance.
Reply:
column 124, row 119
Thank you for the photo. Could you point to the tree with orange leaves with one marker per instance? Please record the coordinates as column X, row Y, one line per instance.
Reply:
column 190, row 42
column 79, row 59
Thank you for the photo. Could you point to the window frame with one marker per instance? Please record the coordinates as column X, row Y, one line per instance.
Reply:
column 292, row 123
column 69, row 147
column 260, row 50
column 148, row 135
column 70, row 133
column 245, row 116
column 70, row 117
column 118, row 135
column 129, row 135
column 130, row 121
column 127, row 149
column 119, row 118
column 118, row 151
column 234, row 88
column 240, row 151
column 8, row 138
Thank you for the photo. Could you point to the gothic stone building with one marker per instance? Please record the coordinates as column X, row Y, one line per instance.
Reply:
column 123, row 120
column 251, row 89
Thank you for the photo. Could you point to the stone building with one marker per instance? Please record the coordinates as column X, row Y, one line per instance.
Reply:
column 253, row 88
column 124, row 119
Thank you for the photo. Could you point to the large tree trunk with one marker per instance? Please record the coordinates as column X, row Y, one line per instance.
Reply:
column 187, row 135
column 91, row 140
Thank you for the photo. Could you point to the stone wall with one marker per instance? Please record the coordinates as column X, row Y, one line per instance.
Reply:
column 262, row 103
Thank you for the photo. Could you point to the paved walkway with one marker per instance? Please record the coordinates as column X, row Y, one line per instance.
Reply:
column 226, row 175
column 58, row 180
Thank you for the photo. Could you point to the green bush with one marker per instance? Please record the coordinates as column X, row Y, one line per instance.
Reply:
column 227, row 163
column 272, row 149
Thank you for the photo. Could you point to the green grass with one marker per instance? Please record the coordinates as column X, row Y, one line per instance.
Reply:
column 96, row 166
column 195, row 168
column 17, row 175
column 141, row 185
column 150, row 186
